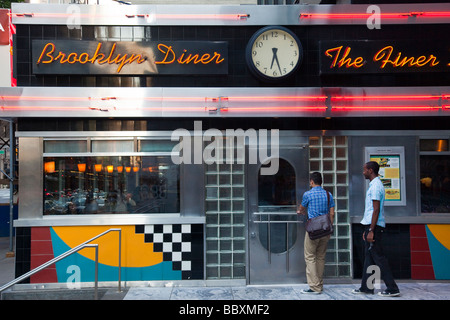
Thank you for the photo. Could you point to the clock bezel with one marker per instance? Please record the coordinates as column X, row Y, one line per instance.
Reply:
column 249, row 60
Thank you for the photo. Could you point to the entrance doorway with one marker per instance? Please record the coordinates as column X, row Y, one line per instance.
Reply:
column 276, row 232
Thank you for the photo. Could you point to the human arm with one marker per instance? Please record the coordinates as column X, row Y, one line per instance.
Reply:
column 301, row 210
column 302, row 207
column 376, row 213
column 332, row 214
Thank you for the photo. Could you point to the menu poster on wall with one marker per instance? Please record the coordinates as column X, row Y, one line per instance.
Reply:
column 390, row 175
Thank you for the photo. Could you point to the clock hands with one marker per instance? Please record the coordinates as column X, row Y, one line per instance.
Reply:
column 275, row 58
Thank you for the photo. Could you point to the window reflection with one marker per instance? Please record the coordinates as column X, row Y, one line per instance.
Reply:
column 435, row 183
column 278, row 189
column 91, row 185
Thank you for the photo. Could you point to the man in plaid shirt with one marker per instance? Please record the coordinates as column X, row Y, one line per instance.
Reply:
column 315, row 203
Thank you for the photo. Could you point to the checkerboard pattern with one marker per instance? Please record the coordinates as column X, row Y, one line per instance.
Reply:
column 175, row 241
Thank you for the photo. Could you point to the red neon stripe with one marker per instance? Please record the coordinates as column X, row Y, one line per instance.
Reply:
column 46, row 108
column 239, row 16
column 233, row 16
column 272, row 109
column 277, row 98
column 24, row 98
column 89, row 108
column 384, row 97
column 398, row 15
column 202, row 16
column 387, row 108
column 239, row 109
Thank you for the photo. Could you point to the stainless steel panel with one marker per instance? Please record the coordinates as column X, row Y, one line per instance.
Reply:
column 289, row 266
column 422, row 219
column 107, row 219
column 55, row 135
column 31, row 178
column 167, row 134
column 233, row 15
column 192, row 190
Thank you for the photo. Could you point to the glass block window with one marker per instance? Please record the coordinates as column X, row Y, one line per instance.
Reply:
column 225, row 220
column 329, row 156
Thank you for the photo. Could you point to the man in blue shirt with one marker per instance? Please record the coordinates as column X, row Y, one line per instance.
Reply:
column 315, row 203
column 374, row 225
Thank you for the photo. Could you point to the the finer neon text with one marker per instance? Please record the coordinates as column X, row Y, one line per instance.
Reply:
column 386, row 57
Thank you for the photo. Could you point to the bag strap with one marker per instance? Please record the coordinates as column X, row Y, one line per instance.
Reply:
column 328, row 205
column 328, row 198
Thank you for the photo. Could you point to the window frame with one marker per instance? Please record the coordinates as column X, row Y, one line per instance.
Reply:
column 45, row 158
column 133, row 153
column 429, row 153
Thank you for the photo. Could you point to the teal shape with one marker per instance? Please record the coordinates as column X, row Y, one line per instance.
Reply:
column 440, row 256
column 76, row 265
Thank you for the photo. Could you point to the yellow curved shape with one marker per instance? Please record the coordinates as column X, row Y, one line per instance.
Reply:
column 441, row 233
column 135, row 252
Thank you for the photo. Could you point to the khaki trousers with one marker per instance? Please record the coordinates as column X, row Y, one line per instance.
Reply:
column 315, row 251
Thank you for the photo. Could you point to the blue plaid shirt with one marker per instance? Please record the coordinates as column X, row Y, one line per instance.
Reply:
column 316, row 201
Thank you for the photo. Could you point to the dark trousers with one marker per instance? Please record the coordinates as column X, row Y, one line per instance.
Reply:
column 373, row 255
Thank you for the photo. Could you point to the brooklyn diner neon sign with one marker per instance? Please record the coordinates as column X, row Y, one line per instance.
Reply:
column 93, row 57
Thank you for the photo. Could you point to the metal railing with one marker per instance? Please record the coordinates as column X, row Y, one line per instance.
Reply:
column 68, row 253
column 284, row 214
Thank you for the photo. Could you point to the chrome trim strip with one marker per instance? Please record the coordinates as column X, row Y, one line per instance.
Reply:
column 80, row 135
column 111, row 154
column 306, row 133
column 230, row 15
column 108, row 219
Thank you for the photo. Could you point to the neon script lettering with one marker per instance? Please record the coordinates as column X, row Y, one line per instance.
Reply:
column 345, row 60
column 384, row 55
column 48, row 56
column 341, row 58
column 185, row 58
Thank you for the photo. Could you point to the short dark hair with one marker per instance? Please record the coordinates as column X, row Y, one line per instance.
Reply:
column 374, row 166
column 316, row 177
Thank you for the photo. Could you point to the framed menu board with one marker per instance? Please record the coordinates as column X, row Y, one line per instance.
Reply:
column 392, row 172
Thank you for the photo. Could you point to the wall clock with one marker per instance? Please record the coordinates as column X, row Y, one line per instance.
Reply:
column 274, row 53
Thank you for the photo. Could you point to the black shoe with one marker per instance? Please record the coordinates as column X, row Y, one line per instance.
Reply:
column 360, row 291
column 309, row 291
column 389, row 294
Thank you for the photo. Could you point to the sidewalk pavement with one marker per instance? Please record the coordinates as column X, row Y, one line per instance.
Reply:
column 7, row 264
column 410, row 290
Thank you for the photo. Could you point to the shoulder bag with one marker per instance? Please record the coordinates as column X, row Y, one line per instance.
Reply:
column 320, row 226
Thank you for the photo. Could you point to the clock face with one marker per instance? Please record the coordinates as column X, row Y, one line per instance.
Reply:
column 274, row 53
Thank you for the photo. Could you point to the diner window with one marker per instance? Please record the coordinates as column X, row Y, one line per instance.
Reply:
column 109, row 185
column 65, row 146
column 156, row 145
column 112, row 145
column 435, row 176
